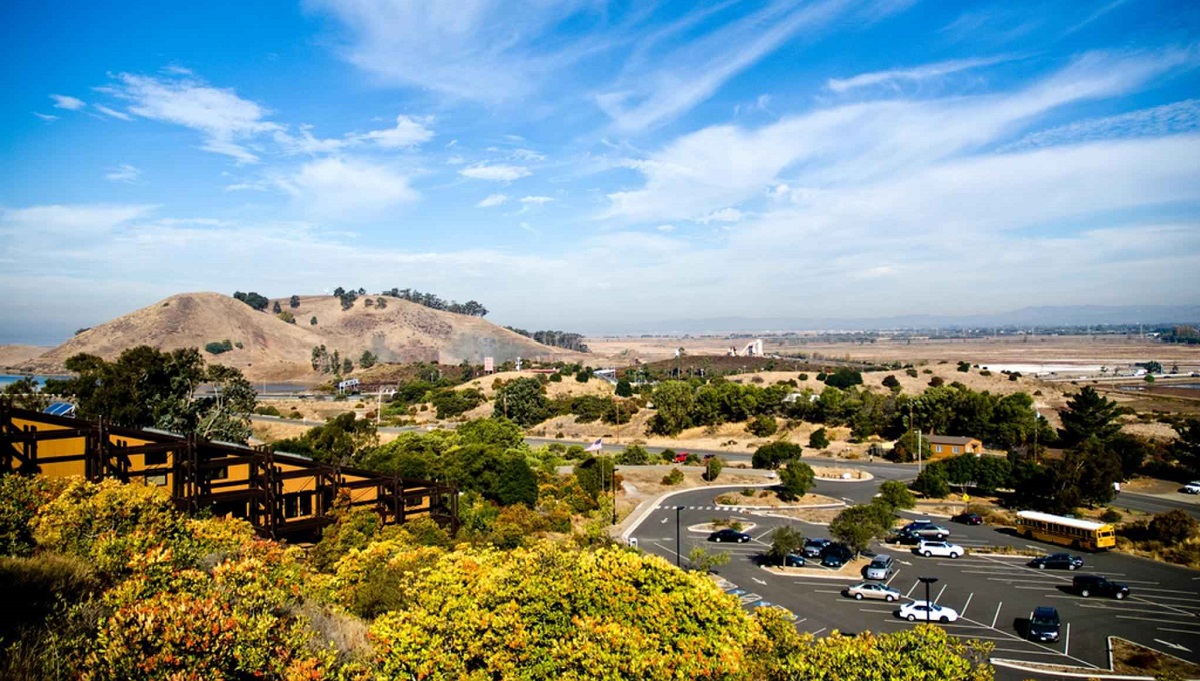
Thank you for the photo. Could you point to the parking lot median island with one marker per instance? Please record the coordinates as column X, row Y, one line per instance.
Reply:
column 769, row 499
column 841, row 473
column 713, row 527
column 852, row 570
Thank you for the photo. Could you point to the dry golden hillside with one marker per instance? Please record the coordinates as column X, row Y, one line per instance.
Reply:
column 272, row 349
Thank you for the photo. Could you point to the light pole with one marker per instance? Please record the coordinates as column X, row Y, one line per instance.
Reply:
column 928, row 606
column 678, row 548
column 614, row 494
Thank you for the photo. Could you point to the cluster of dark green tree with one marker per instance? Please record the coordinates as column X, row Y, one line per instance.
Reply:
column 254, row 300
column 174, row 391
column 524, row 401
column 471, row 307
column 1006, row 421
column 856, row 526
column 328, row 362
column 1095, row 454
column 555, row 339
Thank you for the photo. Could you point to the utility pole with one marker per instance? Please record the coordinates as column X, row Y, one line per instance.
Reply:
column 918, row 451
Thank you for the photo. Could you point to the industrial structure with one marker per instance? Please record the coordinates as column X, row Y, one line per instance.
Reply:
column 281, row 495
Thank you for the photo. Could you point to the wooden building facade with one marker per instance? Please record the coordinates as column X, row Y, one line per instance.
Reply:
column 281, row 495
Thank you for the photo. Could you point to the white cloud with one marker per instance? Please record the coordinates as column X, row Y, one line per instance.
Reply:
column 247, row 187
column 723, row 215
column 721, row 166
column 306, row 143
column 123, row 173
column 344, row 189
column 660, row 86
column 68, row 103
column 225, row 119
column 493, row 200
column 49, row 118
column 71, row 220
column 481, row 50
column 495, row 172
column 665, row 228
column 113, row 113
column 536, row 200
column 409, row 132
column 1168, row 119
column 920, row 73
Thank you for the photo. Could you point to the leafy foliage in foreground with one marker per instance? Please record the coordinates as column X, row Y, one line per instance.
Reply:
column 121, row 586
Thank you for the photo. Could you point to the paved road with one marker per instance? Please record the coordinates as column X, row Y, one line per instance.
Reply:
column 994, row 594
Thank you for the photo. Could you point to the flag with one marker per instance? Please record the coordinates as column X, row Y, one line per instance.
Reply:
column 595, row 446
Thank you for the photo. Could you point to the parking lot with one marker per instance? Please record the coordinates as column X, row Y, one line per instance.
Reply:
column 993, row 594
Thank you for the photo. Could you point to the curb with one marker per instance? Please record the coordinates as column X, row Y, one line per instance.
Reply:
column 776, row 508
column 1020, row 666
column 812, row 576
column 646, row 507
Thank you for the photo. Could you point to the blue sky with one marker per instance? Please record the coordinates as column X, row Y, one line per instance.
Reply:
column 595, row 166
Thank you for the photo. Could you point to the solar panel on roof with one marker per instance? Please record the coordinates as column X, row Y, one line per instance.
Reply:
column 60, row 409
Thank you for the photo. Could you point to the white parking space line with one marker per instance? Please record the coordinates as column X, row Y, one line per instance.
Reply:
column 894, row 575
column 997, row 617
column 818, row 631
column 1160, row 613
column 1067, row 645
column 885, row 612
column 968, row 603
column 1041, row 587
column 910, row 589
column 1156, row 619
column 827, row 591
column 1173, row 591
column 1173, row 608
column 1192, row 599
column 939, row 596
column 1030, row 652
column 1181, row 631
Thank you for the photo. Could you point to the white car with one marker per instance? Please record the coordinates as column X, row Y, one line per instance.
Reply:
column 919, row 610
column 1192, row 487
column 939, row 548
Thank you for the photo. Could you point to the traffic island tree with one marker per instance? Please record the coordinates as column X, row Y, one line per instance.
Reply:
column 819, row 439
column 784, row 541
column 703, row 560
column 712, row 468
column 896, row 494
column 795, row 480
column 773, row 455
column 858, row 526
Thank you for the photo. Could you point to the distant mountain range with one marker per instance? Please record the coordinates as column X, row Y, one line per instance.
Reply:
column 1043, row 316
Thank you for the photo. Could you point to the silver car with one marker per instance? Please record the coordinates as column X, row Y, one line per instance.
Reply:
column 874, row 590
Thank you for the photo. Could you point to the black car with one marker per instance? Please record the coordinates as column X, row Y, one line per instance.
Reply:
column 1060, row 561
column 968, row 519
column 835, row 556
column 814, row 547
column 904, row 536
column 1044, row 624
column 1095, row 585
column 793, row 560
column 729, row 534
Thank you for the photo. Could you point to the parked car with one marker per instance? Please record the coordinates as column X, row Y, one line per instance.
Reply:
column 903, row 536
column 873, row 590
column 939, row 548
column 1192, row 487
column 920, row 610
column 793, row 560
column 1059, row 561
column 814, row 547
column 1095, row 585
column 681, row 457
column 880, row 568
column 1044, row 624
column 968, row 519
column 835, row 556
column 729, row 534
column 933, row 532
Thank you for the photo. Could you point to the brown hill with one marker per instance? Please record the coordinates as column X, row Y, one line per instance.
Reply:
column 272, row 349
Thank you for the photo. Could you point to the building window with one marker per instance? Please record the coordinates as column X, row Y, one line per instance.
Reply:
column 938, row 449
column 306, row 503
column 291, row 506
column 159, row 480
column 954, row 451
column 155, row 459
column 221, row 473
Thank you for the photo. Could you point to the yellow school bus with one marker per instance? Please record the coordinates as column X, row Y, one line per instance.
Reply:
column 1073, row 532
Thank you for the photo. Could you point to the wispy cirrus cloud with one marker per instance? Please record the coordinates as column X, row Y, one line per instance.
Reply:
column 226, row 120
column 493, row 200
column 498, row 172
column 894, row 77
column 720, row 166
column 675, row 79
column 123, row 173
column 113, row 113
column 67, row 102
column 1168, row 119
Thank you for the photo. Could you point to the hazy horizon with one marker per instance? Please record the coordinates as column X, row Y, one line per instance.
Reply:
column 582, row 166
